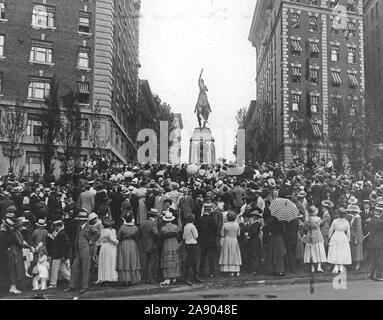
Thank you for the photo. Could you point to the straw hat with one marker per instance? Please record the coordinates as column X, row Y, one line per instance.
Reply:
column 83, row 216
column 9, row 223
column 41, row 223
column 327, row 204
column 313, row 211
column 302, row 194
column 168, row 216
column 92, row 216
column 153, row 212
column 353, row 200
column 353, row 208
column 11, row 209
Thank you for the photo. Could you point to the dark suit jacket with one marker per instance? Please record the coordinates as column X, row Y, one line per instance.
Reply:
column 207, row 230
column 291, row 234
column 148, row 234
column 59, row 246
column 375, row 226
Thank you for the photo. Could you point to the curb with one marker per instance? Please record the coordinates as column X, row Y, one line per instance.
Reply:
column 155, row 289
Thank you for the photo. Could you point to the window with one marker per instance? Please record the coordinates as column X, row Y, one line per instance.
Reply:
column 336, row 80
column 39, row 88
column 34, row 162
column 296, row 73
column 41, row 51
column 314, row 2
column 313, row 24
column 353, row 81
column 296, row 100
column 34, row 127
column 351, row 29
column 353, row 106
column 351, row 55
column 314, row 49
column 2, row 44
column 334, row 25
column 335, row 104
column 43, row 15
column 314, row 103
column 314, row 75
column 351, row 5
column 83, row 58
column 335, row 53
column 84, row 124
column 84, row 23
column 83, row 92
column 2, row 11
column 295, row 20
column 1, row 83
column 296, row 47
column 332, row 3
column 316, row 129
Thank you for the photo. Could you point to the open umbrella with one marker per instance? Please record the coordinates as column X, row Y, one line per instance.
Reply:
column 284, row 209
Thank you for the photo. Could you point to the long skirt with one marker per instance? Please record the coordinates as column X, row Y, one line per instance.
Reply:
column 128, row 262
column 276, row 254
column 107, row 263
column 315, row 253
column 170, row 259
column 142, row 212
column 16, row 267
column 357, row 252
column 339, row 249
column 230, row 258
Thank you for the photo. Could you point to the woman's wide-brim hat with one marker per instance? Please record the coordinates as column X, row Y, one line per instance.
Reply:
column 353, row 200
column 341, row 211
column 327, row 204
column 41, row 223
column 353, row 208
column 168, row 216
column 313, row 211
column 272, row 183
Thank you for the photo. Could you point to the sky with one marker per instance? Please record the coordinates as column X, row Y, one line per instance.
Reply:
column 180, row 37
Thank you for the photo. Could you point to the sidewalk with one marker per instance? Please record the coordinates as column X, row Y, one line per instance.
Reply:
column 100, row 292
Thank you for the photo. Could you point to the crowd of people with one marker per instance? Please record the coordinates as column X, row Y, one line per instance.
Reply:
column 163, row 224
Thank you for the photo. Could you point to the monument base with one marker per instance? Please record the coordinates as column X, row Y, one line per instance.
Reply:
column 202, row 147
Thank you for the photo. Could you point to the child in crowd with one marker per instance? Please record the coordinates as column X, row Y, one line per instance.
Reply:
column 41, row 270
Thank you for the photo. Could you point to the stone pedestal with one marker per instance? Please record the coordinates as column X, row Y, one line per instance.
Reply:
column 202, row 147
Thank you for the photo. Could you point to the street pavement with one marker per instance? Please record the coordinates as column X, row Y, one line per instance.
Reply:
column 356, row 290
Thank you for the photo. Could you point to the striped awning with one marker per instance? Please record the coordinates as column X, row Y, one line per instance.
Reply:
column 84, row 14
column 44, row 7
column 297, row 71
column 83, row 87
column 42, row 44
column 296, row 45
column 314, row 47
column 353, row 79
column 40, row 79
column 83, row 49
column 316, row 129
column 33, row 117
column 336, row 77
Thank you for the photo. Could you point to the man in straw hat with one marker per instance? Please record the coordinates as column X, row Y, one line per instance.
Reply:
column 207, row 233
column 58, row 245
column 375, row 243
column 87, row 235
column 6, row 239
column 148, row 234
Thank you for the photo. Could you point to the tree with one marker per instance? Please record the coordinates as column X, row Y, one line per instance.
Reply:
column 97, row 141
column 13, row 129
column 70, row 129
column 50, row 118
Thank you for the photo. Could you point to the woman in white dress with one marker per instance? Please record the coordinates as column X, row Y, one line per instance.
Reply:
column 339, row 252
column 107, row 258
column 314, row 250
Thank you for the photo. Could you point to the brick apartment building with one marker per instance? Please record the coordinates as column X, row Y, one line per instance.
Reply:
column 89, row 46
column 373, row 35
column 307, row 60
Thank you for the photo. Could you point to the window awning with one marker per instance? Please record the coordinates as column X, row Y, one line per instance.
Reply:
column 314, row 47
column 316, row 129
column 33, row 117
column 296, row 45
column 353, row 79
column 40, row 79
column 336, row 77
column 43, row 44
column 297, row 71
column 44, row 7
column 83, row 87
